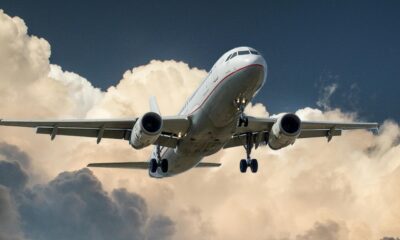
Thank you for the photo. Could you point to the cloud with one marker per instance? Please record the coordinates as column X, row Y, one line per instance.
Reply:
column 329, row 230
column 347, row 189
column 170, row 81
column 79, row 90
column 29, row 80
column 74, row 205
column 9, row 218
column 12, row 176
column 325, row 96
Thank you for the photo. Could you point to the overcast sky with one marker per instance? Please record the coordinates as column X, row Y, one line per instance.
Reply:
column 311, row 46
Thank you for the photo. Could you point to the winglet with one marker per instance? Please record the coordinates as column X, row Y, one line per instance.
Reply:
column 154, row 105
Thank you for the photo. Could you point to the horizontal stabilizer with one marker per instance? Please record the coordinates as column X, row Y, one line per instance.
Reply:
column 132, row 165
column 141, row 165
column 207, row 164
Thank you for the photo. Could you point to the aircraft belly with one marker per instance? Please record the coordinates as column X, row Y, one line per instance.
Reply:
column 204, row 137
column 179, row 163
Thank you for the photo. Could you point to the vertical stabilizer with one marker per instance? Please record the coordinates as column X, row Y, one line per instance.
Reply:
column 154, row 105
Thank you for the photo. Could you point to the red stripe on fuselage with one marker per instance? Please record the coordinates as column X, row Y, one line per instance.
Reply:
column 230, row 74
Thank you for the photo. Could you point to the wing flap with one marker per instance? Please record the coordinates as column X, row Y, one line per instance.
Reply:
column 319, row 133
column 163, row 140
column 240, row 140
column 337, row 125
column 264, row 124
column 86, row 132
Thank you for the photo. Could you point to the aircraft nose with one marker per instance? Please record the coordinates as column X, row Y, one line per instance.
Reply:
column 255, row 59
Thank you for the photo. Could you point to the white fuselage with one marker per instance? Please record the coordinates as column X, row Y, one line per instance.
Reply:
column 212, row 110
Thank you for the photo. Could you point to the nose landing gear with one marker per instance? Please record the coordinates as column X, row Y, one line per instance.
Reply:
column 248, row 162
column 155, row 163
column 240, row 103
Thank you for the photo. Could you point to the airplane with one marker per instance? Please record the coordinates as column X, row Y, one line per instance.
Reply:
column 211, row 119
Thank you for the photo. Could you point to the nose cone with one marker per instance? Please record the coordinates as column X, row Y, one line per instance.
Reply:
column 255, row 59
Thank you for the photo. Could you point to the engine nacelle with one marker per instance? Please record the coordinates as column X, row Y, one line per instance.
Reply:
column 146, row 130
column 284, row 131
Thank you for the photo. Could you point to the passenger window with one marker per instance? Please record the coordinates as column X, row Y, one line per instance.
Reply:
column 244, row 52
column 254, row 52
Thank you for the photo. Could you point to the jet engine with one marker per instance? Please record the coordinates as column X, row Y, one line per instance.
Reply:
column 284, row 131
column 146, row 130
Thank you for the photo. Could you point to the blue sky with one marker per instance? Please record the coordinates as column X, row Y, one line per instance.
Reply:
column 308, row 45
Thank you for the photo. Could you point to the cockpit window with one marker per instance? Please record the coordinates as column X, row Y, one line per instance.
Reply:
column 243, row 52
column 228, row 57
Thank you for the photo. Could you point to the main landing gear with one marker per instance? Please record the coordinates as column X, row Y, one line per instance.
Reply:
column 248, row 162
column 162, row 163
column 241, row 104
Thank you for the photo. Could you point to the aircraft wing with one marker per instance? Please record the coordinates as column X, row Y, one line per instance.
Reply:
column 309, row 129
column 103, row 128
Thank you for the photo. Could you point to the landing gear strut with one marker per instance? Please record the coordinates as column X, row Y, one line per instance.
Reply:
column 249, row 162
column 155, row 163
column 241, row 104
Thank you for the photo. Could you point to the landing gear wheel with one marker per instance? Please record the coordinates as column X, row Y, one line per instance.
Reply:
column 164, row 165
column 253, row 165
column 248, row 162
column 153, row 165
column 243, row 165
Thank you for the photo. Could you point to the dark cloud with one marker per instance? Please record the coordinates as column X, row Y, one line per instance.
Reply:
column 74, row 205
column 160, row 227
column 9, row 223
column 328, row 230
column 12, row 175
column 134, row 209
column 12, row 152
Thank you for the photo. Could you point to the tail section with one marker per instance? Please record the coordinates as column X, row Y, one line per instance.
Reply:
column 154, row 105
